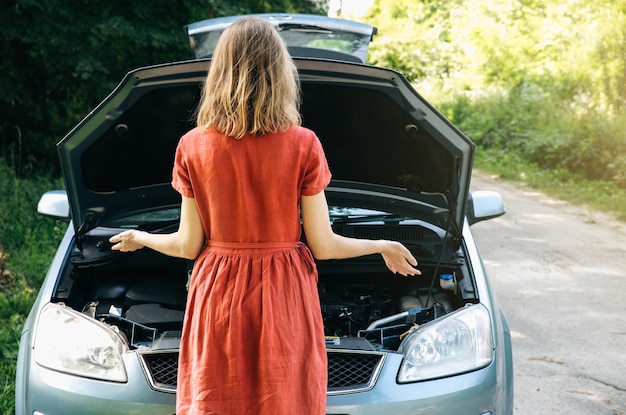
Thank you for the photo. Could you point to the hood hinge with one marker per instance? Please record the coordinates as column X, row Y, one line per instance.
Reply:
column 92, row 219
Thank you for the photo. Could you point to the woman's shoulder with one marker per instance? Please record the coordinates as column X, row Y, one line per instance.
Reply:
column 302, row 135
column 194, row 133
column 300, row 130
column 198, row 135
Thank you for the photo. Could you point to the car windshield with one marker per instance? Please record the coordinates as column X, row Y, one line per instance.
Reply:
column 303, row 37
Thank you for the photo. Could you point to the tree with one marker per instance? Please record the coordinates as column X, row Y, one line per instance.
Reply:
column 544, row 80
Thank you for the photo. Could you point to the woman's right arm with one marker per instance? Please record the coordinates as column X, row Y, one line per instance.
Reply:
column 186, row 242
column 325, row 244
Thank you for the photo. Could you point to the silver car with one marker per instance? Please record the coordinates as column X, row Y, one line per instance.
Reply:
column 103, row 335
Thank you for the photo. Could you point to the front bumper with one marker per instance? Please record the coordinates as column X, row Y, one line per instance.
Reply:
column 48, row 392
column 474, row 393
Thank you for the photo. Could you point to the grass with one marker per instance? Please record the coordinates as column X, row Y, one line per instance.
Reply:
column 15, row 301
column 599, row 195
column 27, row 245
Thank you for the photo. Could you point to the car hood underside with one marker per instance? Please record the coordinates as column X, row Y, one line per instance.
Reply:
column 374, row 127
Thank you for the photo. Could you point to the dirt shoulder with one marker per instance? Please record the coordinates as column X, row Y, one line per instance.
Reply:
column 559, row 272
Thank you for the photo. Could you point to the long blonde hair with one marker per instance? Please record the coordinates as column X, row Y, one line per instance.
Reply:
column 252, row 86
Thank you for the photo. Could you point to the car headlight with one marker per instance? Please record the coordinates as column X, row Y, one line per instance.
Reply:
column 73, row 343
column 459, row 342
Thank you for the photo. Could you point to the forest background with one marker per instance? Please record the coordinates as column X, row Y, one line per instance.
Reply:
column 539, row 86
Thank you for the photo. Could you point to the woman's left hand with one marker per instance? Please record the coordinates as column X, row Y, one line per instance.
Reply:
column 399, row 259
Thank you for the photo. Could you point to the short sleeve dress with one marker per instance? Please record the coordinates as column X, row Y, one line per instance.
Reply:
column 253, row 336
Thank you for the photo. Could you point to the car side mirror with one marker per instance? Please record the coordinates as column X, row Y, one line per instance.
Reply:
column 484, row 205
column 54, row 204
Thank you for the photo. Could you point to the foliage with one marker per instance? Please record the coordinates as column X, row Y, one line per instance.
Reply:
column 29, row 238
column 27, row 244
column 541, row 129
column 15, row 302
column 600, row 195
column 414, row 37
column 60, row 58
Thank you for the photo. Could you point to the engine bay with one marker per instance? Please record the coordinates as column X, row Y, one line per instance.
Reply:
column 364, row 306
column 150, row 311
column 378, row 313
column 370, row 311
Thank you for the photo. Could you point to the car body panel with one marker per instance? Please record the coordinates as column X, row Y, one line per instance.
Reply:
column 488, row 390
column 120, row 157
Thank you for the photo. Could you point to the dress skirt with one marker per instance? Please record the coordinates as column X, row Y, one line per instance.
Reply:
column 253, row 339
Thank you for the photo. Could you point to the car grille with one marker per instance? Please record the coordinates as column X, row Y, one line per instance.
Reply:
column 162, row 370
column 348, row 371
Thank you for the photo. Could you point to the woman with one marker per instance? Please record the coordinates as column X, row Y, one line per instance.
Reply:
column 253, row 336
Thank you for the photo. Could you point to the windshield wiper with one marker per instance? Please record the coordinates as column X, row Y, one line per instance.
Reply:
column 385, row 218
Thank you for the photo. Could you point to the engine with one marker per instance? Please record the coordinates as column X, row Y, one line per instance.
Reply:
column 375, row 310
column 376, row 314
column 353, row 308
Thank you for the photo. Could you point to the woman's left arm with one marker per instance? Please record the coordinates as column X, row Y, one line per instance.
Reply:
column 324, row 243
column 186, row 242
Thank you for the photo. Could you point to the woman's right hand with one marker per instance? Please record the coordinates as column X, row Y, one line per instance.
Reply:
column 125, row 241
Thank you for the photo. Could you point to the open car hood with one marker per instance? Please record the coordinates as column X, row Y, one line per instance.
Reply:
column 374, row 127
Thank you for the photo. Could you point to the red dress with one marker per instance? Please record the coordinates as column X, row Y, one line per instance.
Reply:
column 253, row 336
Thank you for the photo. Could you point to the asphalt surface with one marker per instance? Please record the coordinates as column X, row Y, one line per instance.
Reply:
column 559, row 272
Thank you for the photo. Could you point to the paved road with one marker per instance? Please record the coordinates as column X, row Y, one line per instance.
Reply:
column 560, row 274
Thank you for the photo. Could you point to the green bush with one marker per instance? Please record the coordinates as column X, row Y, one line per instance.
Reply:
column 540, row 127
